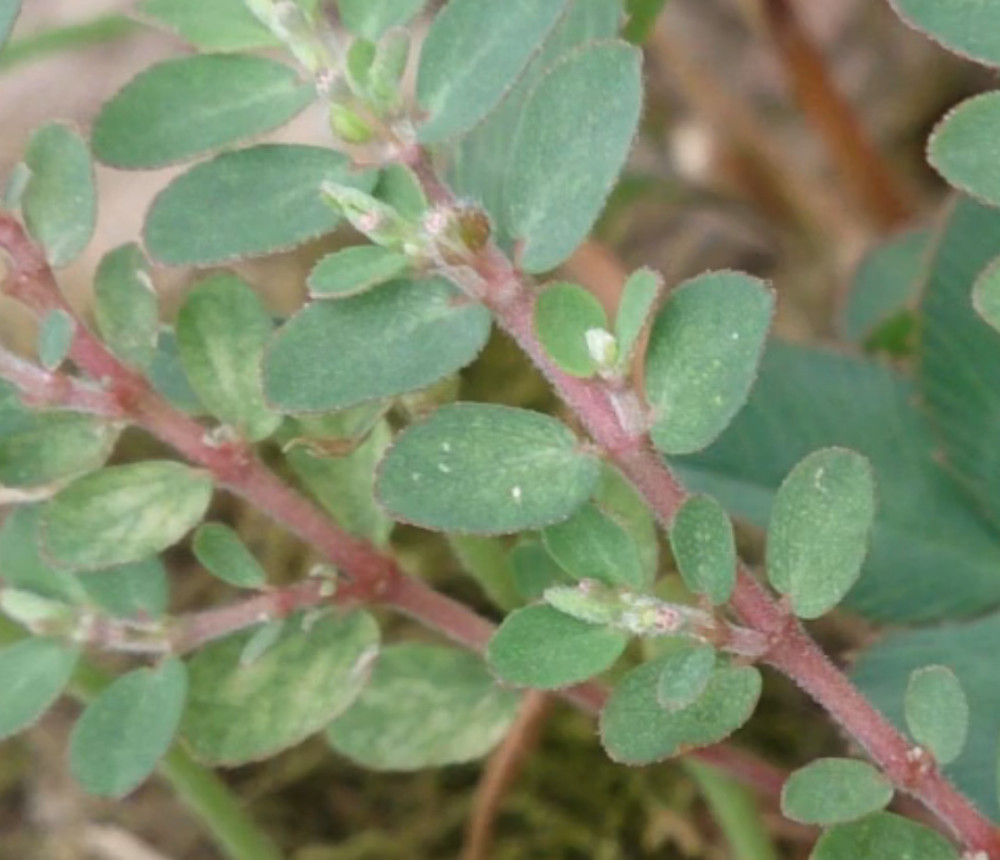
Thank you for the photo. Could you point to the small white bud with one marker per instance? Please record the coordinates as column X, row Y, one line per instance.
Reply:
column 603, row 347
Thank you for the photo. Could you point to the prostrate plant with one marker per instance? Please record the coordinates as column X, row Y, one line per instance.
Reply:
column 495, row 168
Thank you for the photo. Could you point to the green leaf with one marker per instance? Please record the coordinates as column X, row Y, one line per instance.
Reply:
column 534, row 569
column 22, row 564
column 166, row 373
column 55, row 337
column 959, row 352
column 487, row 561
column 485, row 469
column 59, row 202
column 187, row 106
column 834, row 791
column 540, row 647
column 986, row 294
column 473, row 53
column 702, row 357
column 967, row 28
column 571, row 142
column 564, row 313
column 617, row 498
column 400, row 337
column 345, row 485
column 642, row 15
column 963, row 148
column 212, row 25
column 937, row 712
column 425, row 706
column 126, row 309
column 354, row 270
column 591, row 545
column 123, row 514
column 704, row 547
column 33, row 673
column 885, row 283
column 222, row 330
column 129, row 590
column 684, row 675
column 246, row 712
column 807, row 399
column 247, row 203
column 124, row 732
column 880, row 836
column 635, row 309
column 222, row 552
column 400, row 187
column 9, row 10
column 370, row 20
column 636, row 729
column 818, row 535
column 40, row 448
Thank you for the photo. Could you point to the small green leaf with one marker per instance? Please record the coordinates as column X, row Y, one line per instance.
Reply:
column 399, row 186
column 59, row 202
column 564, row 313
column 487, row 561
column 881, row 836
column 123, row 514
column 635, row 310
column 370, row 20
column 126, row 310
column 33, row 673
column 701, row 537
column 425, row 706
column 400, row 337
column 9, row 10
column 702, row 358
column 485, row 469
column 354, row 270
column 834, row 791
column 967, row 28
column 22, row 564
column 684, row 675
column 40, row 448
column 937, row 712
column 986, row 294
column 187, row 106
column 820, row 524
column 540, row 647
column 166, row 373
column 212, row 25
column 222, row 330
column 473, row 53
column 534, row 569
column 241, row 712
column 963, row 148
column 137, row 589
column 125, row 731
column 570, row 144
column 617, row 498
column 55, row 338
column 591, row 545
column 247, row 203
column 636, row 729
column 222, row 552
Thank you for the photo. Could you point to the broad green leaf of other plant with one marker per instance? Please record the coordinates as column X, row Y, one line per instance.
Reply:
column 702, row 358
column 425, row 706
column 834, row 791
column 485, row 469
column 937, row 712
column 967, row 27
column 9, row 10
column 126, row 308
column 212, row 25
column 241, row 712
column 964, row 148
column 880, row 836
column 124, row 732
column 188, row 106
column 33, row 673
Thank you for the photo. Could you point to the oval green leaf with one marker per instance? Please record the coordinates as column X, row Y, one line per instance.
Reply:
column 247, row 203
column 592, row 545
column 354, row 270
column 187, row 106
column 425, row 706
column 702, row 359
column 820, row 525
column 540, row 647
column 126, row 309
column 222, row 552
column 881, row 836
column 137, row 589
column 684, row 675
column 564, row 313
column 55, row 337
column 212, row 25
column 571, row 142
column 967, row 27
column 485, row 469
column 400, row 337
column 963, row 147
column 124, row 732
column 834, row 791
column 240, row 712
column 635, row 309
column 123, row 514
column 59, row 202
column 636, row 729
column 937, row 712
column 33, row 673
column 704, row 547
column 222, row 330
